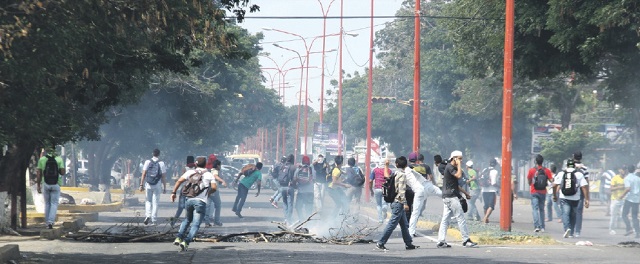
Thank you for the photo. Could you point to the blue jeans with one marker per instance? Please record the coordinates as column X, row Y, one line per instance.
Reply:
column 287, row 199
column 537, row 209
column 579, row 213
column 304, row 205
column 473, row 209
column 240, row 198
column 397, row 217
column 569, row 210
column 552, row 206
column 196, row 209
column 213, row 203
column 632, row 208
column 151, row 200
column 381, row 205
column 51, row 195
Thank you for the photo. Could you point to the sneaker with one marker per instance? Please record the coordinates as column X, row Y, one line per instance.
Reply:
column 217, row 224
column 275, row 204
column 184, row 246
column 50, row 226
column 541, row 230
column 154, row 224
column 381, row 247
column 628, row 233
column 207, row 225
column 239, row 215
column 177, row 241
column 612, row 232
column 410, row 247
column 146, row 220
column 567, row 233
column 577, row 234
column 536, row 230
column 469, row 244
column 443, row 245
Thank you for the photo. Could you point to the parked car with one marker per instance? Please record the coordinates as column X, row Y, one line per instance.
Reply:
column 228, row 174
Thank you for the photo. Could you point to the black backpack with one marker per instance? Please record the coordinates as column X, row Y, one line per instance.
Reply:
column 569, row 184
column 389, row 191
column 540, row 180
column 355, row 177
column 194, row 186
column 484, row 179
column 154, row 173
column 51, row 171
column 305, row 174
column 283, row 175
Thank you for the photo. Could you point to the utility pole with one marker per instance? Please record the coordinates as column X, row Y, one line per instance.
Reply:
column 507, row 119
column 416, row 79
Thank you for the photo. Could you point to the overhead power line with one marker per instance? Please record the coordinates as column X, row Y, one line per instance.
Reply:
column 368, row 17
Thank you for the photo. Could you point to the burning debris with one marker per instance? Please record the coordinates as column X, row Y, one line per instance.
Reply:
column 349, row 231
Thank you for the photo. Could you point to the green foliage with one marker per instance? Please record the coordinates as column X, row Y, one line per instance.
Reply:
column 563, row 143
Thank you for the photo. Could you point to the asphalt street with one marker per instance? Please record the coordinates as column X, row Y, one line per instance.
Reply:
column 259, row 215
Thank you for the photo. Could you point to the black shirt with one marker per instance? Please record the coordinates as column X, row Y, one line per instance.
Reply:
column 441, row 167
column 321, row 172
column 450, row 185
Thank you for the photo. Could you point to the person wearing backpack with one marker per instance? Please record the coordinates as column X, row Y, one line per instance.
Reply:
column 191, row 165
column 199, row 184
column 451, row 198
column 252, row 175
column 275, row 170
column 398, row 206
column 320, row 167
column 567, row 188
column 50, row 167
column 304, row 179
column 577, row 159
column 355, row 178
column 488, row 184
column 538, row 178
column 153, row 172
column 285, row 177
column 337, row 188
column 376, row 180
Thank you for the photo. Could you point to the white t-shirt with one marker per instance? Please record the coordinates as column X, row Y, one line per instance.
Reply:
column 581, row 181
column 163, row 168
column 414, row 180
column 207, row 181
column 493, row 179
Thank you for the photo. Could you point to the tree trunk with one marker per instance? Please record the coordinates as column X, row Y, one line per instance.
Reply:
column 12, row 170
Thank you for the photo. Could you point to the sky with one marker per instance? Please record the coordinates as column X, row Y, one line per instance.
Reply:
column 355, row 55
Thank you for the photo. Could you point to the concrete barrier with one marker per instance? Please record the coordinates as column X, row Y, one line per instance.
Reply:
column 10, row 252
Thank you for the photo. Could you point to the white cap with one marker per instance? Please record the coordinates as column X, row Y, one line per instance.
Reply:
column 455, row 153
column 469, row 163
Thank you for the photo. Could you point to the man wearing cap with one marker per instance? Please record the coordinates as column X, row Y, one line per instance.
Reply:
column 569, row 203
column 474, row 189
column 451, row 198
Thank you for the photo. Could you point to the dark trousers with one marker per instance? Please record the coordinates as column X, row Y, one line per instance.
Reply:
column 633, row 208
column 240, row 198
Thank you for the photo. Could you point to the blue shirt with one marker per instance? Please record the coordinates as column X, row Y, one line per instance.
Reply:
column 632, row 181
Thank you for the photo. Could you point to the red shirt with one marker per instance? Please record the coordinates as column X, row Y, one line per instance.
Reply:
column 532, row 173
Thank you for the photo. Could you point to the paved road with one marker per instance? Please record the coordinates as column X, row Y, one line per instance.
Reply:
column 259, row 214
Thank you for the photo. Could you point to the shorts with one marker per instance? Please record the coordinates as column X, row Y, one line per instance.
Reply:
column 489, row 199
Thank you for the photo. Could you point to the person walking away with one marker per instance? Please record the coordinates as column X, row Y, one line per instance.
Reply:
column 568, row 185
column 474, row 190
column 199, row 183
column 376, row 180
column 153, row 172
column 277, row 195
column 398, row 206
column 50, row 167
column 617, row 202
column 488, row 185
column 337, row 188
column 451, row 199
column 631, row 197
column 191, row 165
column 355, row 178
column 214, row 205
column 552, row 206
column 320, row 168
column 285, row 178
column 538, row 178
column 252, row 174
column 577, row 158
column 304, row 180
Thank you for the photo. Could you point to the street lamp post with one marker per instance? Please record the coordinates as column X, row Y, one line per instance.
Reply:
column 324, row 33
column 340, row 82
column 416, row 79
